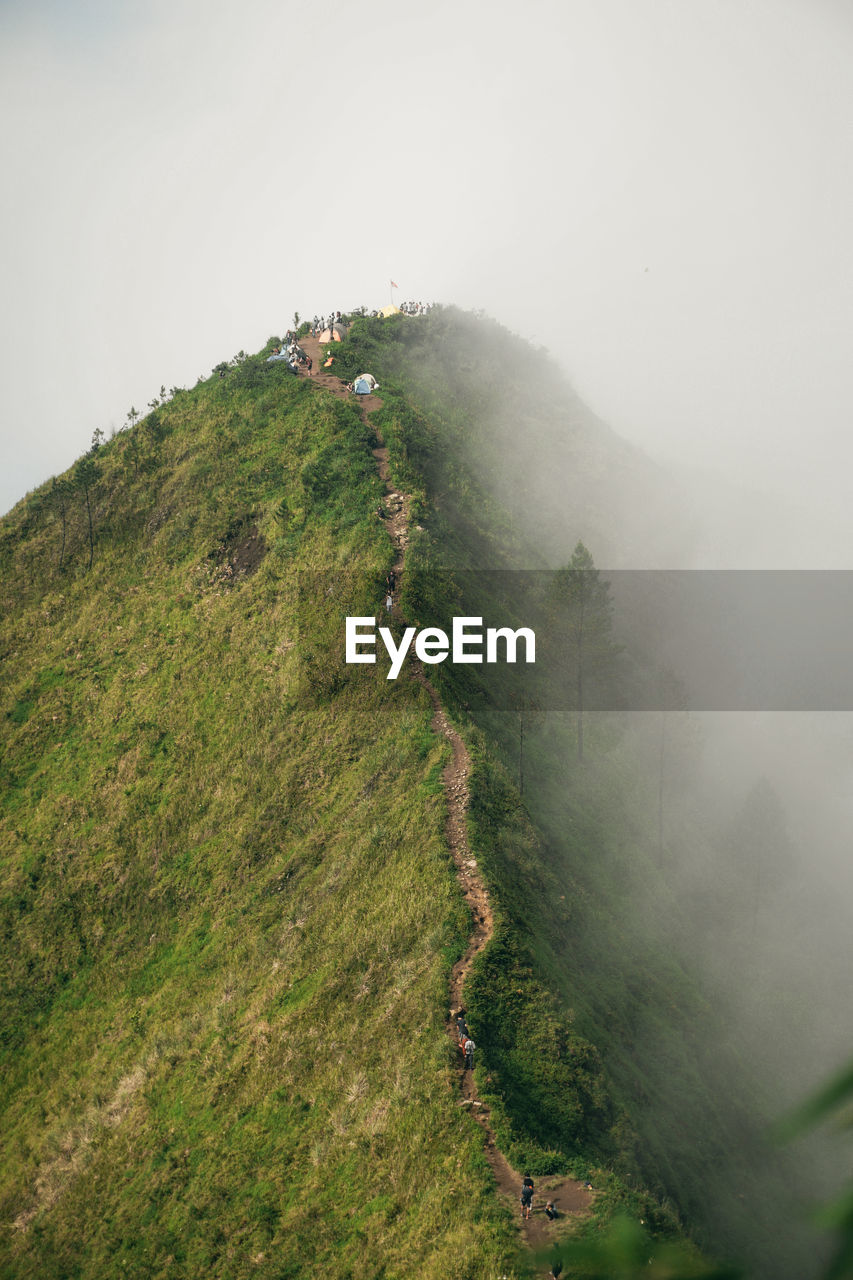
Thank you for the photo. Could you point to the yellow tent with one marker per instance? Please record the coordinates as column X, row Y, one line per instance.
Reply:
column 390, row 311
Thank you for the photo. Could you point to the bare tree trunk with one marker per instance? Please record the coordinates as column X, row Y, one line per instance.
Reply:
column 62, row 545
column 580, row 682
column 660, row 785
column 521, row 752
column 91, row 537
column 580, row 724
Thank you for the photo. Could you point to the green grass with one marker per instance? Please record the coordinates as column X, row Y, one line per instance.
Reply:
column 227, row 907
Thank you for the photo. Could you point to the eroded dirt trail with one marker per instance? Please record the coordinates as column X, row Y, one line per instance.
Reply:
column 572, row 1198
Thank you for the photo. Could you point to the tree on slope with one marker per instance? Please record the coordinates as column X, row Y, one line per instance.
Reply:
column 528, row 713
column 582, row 625
column 60, row 492
column 86, row 474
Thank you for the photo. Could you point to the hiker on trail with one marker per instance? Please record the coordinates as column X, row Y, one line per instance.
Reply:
column 526, row 1195
column 389, row 603
column 556, row 1271
column 461, row 1029
column 468, row 1049
column 550, row 1211
column 391, row 582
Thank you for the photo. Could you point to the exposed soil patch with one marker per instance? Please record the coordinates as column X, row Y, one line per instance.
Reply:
column 240, row 552
column 246, row 554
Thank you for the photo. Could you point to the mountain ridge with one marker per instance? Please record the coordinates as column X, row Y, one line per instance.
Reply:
column 214, row 834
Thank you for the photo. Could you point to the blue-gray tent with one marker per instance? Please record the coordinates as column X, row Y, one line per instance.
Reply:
column 285, row 358
column 364, row 384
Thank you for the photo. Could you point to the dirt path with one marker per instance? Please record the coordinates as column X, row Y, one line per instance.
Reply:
column 572, row 1198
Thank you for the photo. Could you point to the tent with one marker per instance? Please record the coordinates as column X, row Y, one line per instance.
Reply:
column 334, row 333
column 282, row 357
column 364, row 384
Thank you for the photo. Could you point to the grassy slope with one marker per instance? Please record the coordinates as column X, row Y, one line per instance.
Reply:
column 228, row 910
column 227, row 907
column 600, row 1047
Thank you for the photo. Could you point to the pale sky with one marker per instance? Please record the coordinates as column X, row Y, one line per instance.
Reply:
column 658, row 191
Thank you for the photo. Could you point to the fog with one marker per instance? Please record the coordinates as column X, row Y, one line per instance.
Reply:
column 746, row 815
column 656, row 193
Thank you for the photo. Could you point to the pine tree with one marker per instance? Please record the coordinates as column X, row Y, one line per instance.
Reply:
column 672, row 697
column 528, row 712
column 582, row 622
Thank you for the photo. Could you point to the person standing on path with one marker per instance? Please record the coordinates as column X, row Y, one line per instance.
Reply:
column 460, row 1026
column 526, row 1196
column 468, row 1049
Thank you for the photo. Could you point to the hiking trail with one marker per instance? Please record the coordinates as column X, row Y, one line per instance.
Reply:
column 572, row 1198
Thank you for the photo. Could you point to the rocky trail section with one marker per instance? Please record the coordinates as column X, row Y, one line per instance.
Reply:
column 572, row 1198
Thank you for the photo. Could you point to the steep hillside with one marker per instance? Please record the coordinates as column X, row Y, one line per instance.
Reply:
column 596, row 931
column 228, row 908
column 230, row 911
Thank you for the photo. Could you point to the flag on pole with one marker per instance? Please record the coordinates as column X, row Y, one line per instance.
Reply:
column 394, row 286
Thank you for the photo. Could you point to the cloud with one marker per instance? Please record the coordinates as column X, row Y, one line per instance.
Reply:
column 651, row 191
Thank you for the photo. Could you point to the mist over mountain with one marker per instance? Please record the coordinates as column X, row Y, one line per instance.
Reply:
column 774, row 966
column 230, row 909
